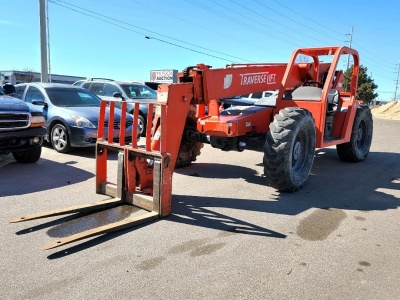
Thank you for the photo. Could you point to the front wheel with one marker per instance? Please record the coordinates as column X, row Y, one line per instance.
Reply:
column 59, row 138
column 289, row 149
column 357, row 149
column 28, row 156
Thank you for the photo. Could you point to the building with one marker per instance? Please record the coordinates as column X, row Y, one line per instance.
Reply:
column 15, row 77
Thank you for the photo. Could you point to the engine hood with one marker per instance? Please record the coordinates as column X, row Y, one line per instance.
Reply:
column 8, row 103
column 90, row 113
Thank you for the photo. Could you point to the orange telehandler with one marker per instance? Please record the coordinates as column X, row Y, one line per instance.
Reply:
column 311, row 111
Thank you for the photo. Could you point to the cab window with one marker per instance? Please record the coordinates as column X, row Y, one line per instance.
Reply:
column 33, row 93
column 110, row 89
column 97, row 88
column 19, row 91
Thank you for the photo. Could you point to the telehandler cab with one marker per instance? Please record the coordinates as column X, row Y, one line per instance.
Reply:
column 311, row 111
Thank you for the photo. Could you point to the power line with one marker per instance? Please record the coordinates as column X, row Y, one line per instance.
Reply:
column 330, row 29
column 205, row 28
column 295, row 21
column 94, row 15
column 306, row 17
column 255, row 13
column 280, row 24
column 240, row 22
column 192, row 47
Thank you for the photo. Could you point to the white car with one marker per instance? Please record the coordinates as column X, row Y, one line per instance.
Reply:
column 262, row 98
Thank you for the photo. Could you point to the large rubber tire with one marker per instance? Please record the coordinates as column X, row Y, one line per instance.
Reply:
column 28, row 156
column 59, row 138
column 289, row 149
column 188, row 150
column 357, row 149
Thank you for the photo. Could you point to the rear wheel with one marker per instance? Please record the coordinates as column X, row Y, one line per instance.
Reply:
column 59, row 138
column 188, row 150
column 28, row 156
column 357, row 148
column 289, row 149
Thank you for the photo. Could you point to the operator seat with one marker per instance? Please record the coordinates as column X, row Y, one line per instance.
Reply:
column 311, row 93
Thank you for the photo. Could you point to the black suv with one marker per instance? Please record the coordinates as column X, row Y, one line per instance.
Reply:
column 21, row 128
column 131, row 91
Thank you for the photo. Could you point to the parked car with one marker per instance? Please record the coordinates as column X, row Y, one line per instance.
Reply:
column 235, row 101
column 151, row 84
column 71, row 114
column 262, row 98
column 21, row 128
column 131, row 91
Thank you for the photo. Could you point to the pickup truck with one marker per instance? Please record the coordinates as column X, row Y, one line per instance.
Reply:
column 22, row 127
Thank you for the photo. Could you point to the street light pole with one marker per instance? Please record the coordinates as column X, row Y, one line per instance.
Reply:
column 43, row 42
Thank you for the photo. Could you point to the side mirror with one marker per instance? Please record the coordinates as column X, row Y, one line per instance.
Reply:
column 8, row 88
column 38, row 102
column 118, row 95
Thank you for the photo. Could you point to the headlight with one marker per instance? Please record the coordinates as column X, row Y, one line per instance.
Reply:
column 37, row 121
column 82, row 122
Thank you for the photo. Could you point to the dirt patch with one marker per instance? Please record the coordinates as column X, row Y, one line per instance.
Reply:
column 390, row 110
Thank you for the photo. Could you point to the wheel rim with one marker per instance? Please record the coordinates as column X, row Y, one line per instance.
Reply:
column 300, row 152
column 59, row 138
column 297, row 151
column 361, row 135
column 141, row 125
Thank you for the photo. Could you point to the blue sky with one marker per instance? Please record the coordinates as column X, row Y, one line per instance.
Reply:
column 98, row 38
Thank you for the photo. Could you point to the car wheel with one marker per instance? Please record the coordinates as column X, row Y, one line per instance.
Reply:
column 289, row 149
column 142, row 125
column 59, row 138
column 28, row 156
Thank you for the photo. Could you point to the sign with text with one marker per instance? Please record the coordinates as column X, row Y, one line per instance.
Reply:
column 164, row 76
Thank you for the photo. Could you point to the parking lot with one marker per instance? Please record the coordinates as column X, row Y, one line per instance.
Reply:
column 229, row 237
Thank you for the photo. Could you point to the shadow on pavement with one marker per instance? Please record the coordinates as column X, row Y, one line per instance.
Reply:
column 371, row 185
column 87, row 152
column 19, row 179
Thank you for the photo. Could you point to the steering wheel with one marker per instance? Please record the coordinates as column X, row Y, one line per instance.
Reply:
column 312, row 83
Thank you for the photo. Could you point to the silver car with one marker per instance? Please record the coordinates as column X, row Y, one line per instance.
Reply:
column 131, row 91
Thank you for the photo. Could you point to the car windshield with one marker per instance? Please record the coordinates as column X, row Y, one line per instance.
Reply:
column 1, row 91
column 72, row 97
column 135, row 91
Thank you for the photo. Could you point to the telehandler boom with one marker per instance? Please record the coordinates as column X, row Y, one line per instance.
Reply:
column 310, row 111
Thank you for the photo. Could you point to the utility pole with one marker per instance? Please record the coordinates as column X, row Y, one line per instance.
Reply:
column 44, row 77
column 348, row 56
column 351, row 39
column 397, row 81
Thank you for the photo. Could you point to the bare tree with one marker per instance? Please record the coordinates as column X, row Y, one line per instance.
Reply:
column 28, row 75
